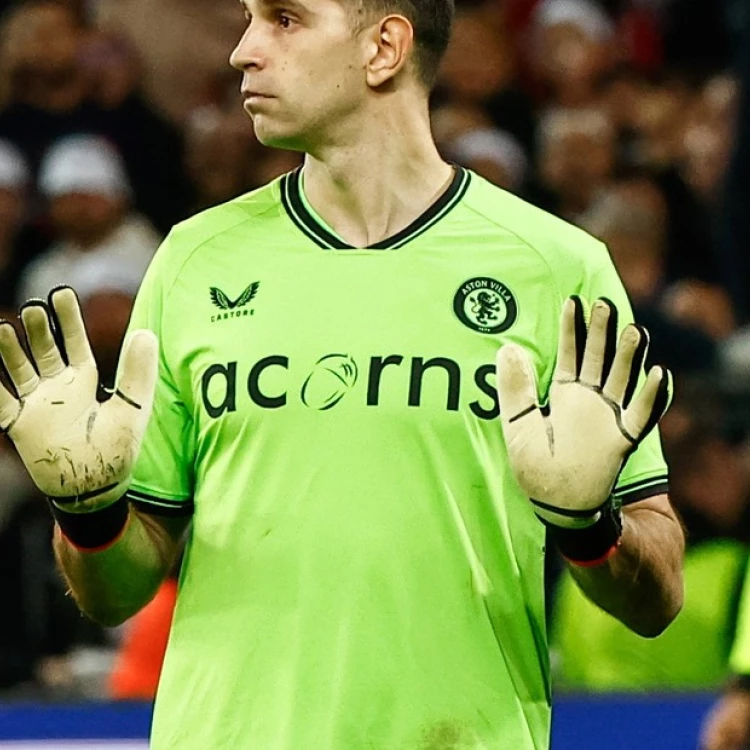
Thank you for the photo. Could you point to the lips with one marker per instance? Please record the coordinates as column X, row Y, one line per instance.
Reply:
column 248, row 94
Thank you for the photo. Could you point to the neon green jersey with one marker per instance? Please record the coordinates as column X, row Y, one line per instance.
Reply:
column 362, row 572
column 739, row 657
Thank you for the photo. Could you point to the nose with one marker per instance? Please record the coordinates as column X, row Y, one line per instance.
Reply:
column 247, row 52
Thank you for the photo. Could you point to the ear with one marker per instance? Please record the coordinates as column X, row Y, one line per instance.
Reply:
column 389, row 48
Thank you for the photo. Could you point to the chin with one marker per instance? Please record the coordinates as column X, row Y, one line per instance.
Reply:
column 286, row 142
column 274, row 136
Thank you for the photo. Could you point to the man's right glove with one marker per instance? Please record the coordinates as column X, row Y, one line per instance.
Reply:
column 567, row 454
column 78, row 451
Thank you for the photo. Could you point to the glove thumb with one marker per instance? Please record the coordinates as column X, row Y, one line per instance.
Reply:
column 516, row 382
column 138, row 369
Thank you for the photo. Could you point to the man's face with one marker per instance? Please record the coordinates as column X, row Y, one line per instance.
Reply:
column 303, row 69
column 85, row 218
column 44, row 39
column 479, row 62
column 577, row 161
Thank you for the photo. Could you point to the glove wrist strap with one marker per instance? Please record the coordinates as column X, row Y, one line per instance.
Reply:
column 593, row 545
column 96, row 530
column 739, row 683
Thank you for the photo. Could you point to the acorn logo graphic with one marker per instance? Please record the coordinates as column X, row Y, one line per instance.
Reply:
column 332, row 377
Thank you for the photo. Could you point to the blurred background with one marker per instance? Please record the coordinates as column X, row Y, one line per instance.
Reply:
column 630, row 118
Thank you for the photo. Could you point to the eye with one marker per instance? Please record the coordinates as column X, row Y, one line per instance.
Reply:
column 285, row 21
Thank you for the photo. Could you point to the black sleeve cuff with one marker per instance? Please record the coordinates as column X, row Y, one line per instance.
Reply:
column 159, row 506
column 635, row 491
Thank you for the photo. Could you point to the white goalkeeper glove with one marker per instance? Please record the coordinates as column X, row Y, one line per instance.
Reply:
column 79, row 452
column 567, row 454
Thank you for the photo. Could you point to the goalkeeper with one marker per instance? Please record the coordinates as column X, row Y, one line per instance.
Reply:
column 376, row 391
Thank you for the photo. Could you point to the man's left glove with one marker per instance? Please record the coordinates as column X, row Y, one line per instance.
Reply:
column 567, row 454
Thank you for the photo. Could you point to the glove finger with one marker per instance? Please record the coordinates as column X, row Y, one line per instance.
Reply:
column 516, row 383
column 601, row 343
column 649, row 405
column 138, row 368
column 572, row 340
column 9, row 404
column 66, row 308
column 42, row 344
column 626, row 368
column 20, row 370
column 10, row 410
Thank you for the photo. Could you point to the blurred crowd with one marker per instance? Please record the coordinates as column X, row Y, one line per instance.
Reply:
column 119, row 118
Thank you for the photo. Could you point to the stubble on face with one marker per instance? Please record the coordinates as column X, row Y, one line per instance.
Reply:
column 309, row 71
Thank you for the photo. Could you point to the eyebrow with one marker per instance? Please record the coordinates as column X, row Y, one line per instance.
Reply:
column 291, row 4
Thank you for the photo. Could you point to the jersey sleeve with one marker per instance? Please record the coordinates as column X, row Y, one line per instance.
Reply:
column 163, row 477
column 739, row 656
column 645, row 473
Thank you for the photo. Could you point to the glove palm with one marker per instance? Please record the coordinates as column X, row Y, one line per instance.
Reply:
column 77, row 450
column 566, row 455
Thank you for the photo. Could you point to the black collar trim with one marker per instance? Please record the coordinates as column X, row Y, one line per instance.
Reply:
column 308, row 225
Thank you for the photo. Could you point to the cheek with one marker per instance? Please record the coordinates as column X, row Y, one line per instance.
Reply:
column 330, row 74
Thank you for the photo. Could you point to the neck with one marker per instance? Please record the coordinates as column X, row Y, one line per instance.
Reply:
column 374, row 183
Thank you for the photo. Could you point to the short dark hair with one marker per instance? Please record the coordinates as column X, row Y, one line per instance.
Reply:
column 432, row 21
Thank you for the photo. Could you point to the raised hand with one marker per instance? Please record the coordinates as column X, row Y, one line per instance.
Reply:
column 79, row 452
column 566, row 454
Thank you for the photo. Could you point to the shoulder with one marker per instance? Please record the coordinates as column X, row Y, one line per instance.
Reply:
column 251, row 207
column 211, row 226
column 558, row 242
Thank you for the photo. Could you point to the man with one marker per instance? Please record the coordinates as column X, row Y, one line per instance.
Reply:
column 89, row 206
column 727, row 724
column 364, row 563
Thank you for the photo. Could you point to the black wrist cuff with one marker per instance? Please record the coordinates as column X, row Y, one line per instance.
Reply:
column 739, row 682
column 95, row 530
column 594, row 544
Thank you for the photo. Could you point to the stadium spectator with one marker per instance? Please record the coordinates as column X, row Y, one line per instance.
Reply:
column 577, row 157
column 223, row 159
column 707, row 139
column 710, row 488
column 573, row 46
column 494, row 154
column 218, row 156
column 480, row 71
column 652, row 117
column 151, row 146
column 451, row 120
column 162, row 33
column 701, row 305
column 83, row 179
column 631, row 221
column 19, row 242
column 40, row 625
column 47, row 91
column 630, row 216
column 44, row 93
column 106, row 285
